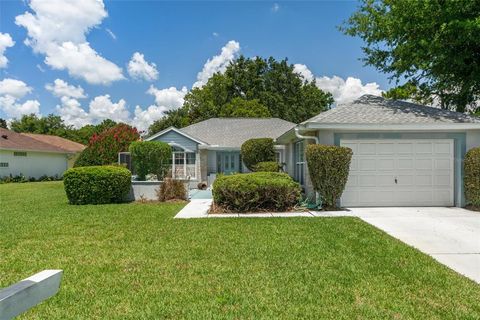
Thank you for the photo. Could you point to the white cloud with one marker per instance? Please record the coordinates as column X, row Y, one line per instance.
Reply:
column 138, row 68
column 72, row 112
column 60, row 88
column 217, row 63
column 302, row 70
column 6, row 41
column 14, row 88
column 102, row 108
column 345, row 91
column 11, row 91
column 144, row 118
column 275, row 7
column 215, row 34
column 111, row 34
column 58, row 29
column 170, row 98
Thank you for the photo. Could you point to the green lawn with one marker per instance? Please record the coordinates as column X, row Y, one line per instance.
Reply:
column 133, row 261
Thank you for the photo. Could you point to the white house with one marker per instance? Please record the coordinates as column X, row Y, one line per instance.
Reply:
column 35, row 155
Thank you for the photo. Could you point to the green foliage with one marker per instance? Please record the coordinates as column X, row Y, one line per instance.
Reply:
column 172, row 189
column 409, row 91
column 97, row 184
column 267, row 166
column 433, row 43
column 258, row 150
column 250, row 87
column 328, row 167
column 103, row 149
column 150, row 157
column 241, row 108
column 257, row 191
column 3, row 123
column 21, row 178
column 472, row 177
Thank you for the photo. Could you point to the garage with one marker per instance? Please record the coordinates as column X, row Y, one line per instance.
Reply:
column 401, row 172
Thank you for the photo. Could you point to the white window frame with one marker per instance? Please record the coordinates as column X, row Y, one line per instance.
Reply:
column 174, row 165
column 299, row 161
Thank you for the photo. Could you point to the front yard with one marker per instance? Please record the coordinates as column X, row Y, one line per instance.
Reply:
column 133, row 261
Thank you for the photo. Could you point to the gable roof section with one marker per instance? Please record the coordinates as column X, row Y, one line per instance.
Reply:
column 161, row 133
column 233, row 132
column 369, row 109
column 60, row 142
column 11, row 140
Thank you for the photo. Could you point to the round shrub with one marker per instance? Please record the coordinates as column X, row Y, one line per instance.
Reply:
column 267, row 166
column 472, row 177
column 257, row 191
column 97, row 184
column 257, row 150
column 150, row 157
column 328, row 167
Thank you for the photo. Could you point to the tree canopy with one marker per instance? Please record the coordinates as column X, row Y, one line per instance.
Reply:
column 250, row 87
column 434, row 45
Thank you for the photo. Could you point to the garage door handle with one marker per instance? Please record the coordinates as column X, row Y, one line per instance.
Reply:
column 396, row 181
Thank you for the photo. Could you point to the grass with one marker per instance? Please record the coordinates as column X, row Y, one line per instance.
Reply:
column 133, row 261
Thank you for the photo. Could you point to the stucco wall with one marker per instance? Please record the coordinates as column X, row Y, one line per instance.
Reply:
column 473, row 139
column 35, row 164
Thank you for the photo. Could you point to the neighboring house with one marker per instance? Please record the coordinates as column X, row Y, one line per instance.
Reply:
column 35, row 155
column 404, row 154
column 204, row 149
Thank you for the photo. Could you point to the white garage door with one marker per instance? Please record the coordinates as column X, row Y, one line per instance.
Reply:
column 400, row 173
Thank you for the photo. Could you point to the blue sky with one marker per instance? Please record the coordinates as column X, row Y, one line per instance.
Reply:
column 95, row 42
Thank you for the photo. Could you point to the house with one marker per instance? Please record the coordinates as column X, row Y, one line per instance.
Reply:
column 35, row 155
column 204, row 149
column 404, row 154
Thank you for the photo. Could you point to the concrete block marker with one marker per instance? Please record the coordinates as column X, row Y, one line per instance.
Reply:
column 29, row 292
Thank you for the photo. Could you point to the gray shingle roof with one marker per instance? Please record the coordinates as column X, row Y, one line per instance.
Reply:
column 369, row 109
column 233, row 132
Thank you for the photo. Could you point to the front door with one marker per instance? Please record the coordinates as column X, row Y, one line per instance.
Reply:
column 228, row 162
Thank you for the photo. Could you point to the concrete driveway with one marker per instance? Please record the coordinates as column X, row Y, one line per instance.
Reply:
column 450, row 235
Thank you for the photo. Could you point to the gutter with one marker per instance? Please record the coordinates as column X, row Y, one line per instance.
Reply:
column 297, row 133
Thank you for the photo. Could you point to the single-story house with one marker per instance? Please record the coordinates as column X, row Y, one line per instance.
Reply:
column 35, row 155
column 204, row 149
column 404, row 154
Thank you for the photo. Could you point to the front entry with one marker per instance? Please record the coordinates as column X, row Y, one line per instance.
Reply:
column 400, row 173
column 228, row 162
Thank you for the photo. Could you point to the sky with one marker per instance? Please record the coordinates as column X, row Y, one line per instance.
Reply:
column 130, row 61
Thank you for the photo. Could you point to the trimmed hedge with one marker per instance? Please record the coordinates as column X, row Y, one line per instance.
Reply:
column 150, row 157
column 328, row 167
column 472, row 177
column 97, row 184
column 267, row 166
column 258, row 150
column 257, row 191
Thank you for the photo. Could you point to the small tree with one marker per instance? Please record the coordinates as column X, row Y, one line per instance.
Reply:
column 258, row 150
column 103, row 148
column 328, row 167
column 472, row 177
column 150, row 157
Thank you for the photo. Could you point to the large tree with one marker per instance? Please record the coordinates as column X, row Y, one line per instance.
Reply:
column 250, row 88
column 433, row 44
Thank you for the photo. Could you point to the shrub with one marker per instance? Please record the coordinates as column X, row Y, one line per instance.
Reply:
column 150, row 157
column 172, row 189
column 267, row 166
column 328, row 167
column 257, row 191
column 257, row 150
column 97, row 184
column 472, row 177
column 103, row 148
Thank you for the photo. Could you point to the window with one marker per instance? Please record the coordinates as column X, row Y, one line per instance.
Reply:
column 19, row 154
column 3, row 164
column 299, row 154
column 183, row 164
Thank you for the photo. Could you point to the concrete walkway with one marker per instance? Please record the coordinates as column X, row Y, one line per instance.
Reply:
column 449, row 235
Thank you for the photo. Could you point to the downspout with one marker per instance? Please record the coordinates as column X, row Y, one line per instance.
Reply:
column 297, row 133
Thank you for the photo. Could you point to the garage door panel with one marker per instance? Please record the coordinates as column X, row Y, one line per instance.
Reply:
column 423, row 170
